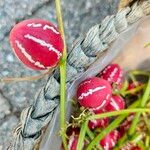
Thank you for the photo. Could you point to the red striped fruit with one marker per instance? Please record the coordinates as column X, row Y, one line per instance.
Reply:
column 73, row 141
column 98, row 123
column 94, row 93
column 110, row 140
column 116, row 103
column 37, row 43
column 126, row 124
column 113, row 74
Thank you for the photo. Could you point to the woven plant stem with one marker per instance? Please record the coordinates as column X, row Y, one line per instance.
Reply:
column 142, row 104
column 62, row 76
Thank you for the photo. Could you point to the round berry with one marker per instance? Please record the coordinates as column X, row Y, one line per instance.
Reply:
column 116, row 103
column 73, row 141
column 94, row 93
column 113, row 74
column 110, row 140
column 126, row 125
column 37, row 43
column 98, row 123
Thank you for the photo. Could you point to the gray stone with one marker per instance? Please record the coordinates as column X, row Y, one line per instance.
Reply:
column 6, row 129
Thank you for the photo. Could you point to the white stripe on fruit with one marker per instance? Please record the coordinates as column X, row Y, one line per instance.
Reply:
column 35, row 25
column 114, row 104
column 99, row 107
column 43, row 43
column 45, row 27
column 91, row 91
column 71, row 141
column 50, row 28
column 28, row 56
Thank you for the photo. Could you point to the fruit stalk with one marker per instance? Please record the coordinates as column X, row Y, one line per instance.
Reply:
column 62, row 75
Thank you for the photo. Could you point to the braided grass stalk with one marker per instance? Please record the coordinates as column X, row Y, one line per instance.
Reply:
column 36, row 117
column 125, row 3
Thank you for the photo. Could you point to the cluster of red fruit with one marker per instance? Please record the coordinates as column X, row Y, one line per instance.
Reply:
column 38, row 44
column 96, row 95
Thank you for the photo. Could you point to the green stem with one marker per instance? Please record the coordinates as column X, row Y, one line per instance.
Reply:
column 112, row 126
column 62, row 76
column 142, row 145
column 125, row 85
column 139, row 72
column 82, row 135
column 147, row 45
column 90, row 134
column 135, row 90
column 137, row 138
column 147, row 141
column 120, row 112
column 142, row 104
column 132, row 76
column 121, row 142
column 147, row 122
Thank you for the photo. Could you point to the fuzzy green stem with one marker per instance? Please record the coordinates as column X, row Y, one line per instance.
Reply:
column 147, row 45
column 135, row 90
column 82, row 135
column 137, row 138
column 121, row 142
column 139, row 72
column 112, row 126
column 125, row 85
column 147, row 122
column 142, row 145
column 120, row 112
column 147, row 141
column 62, row 75
column 133, row 78
column 91, row 136
column 142, row 104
